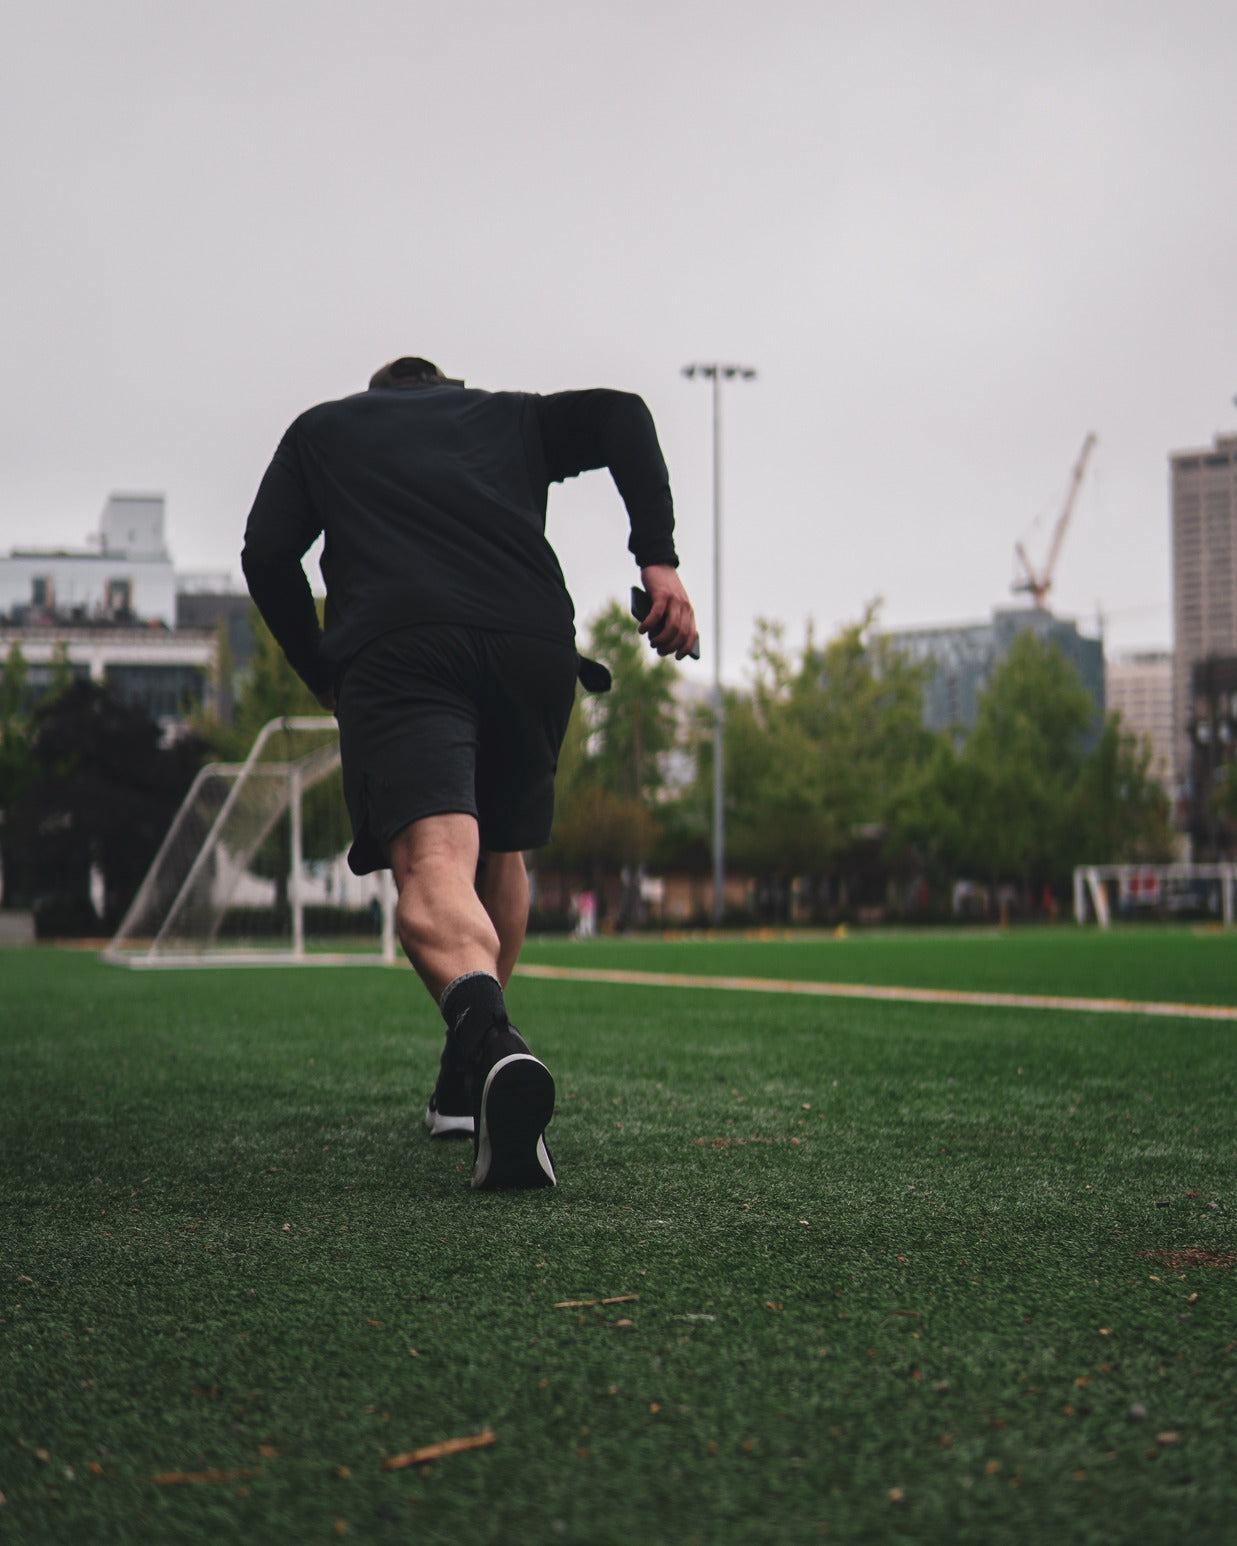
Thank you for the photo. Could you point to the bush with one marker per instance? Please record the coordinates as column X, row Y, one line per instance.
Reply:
column 65, row 917
column 549, row 921
column 276, row 922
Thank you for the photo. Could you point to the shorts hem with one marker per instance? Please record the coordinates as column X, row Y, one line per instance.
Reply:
column 369, row 852
column 498, row 844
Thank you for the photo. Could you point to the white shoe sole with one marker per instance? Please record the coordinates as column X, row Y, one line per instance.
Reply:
column 440, row 1126
column 516, row 1106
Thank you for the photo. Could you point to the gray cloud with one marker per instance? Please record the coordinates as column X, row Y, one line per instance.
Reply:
column 953, row 238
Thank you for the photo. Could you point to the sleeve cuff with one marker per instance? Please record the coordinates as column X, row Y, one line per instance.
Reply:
column 656, row 553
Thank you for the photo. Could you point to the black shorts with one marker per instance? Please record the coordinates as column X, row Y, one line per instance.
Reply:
column 441, row 718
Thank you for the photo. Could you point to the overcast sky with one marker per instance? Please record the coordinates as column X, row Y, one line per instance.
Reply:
column 952, row 237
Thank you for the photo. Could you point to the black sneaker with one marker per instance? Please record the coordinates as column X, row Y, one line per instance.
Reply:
column 449, row 1113
column 513, row 1101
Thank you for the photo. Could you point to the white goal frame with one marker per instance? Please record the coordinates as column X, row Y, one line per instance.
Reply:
column 137, row 943
column 1149, row 885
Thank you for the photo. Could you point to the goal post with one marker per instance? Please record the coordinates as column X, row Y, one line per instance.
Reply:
column 253, row 868
column 1129, row 891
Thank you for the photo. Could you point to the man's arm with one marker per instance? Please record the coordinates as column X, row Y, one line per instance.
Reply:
column 581, row 431
column 280, row 529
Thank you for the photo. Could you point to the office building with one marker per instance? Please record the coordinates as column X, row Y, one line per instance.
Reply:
column 1204, row 537
column 1213, row 745
column 110, row 612
column 963, row 657
column 1139, row 687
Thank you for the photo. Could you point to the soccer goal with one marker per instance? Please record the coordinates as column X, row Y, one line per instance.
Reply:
column 1126, row 891
column 253, row 870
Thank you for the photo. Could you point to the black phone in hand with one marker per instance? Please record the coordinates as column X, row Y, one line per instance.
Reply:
column 641, row 605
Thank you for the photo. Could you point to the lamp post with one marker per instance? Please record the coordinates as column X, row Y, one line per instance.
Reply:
column 717, row 373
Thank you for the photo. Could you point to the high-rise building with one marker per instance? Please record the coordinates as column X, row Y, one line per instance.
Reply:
column 1139, row 687
column 1213, row 731
column 1204, row 516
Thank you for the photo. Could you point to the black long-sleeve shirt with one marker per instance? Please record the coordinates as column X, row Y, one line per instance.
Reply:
column 432, row 499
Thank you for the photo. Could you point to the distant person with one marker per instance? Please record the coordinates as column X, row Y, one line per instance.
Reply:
column 586, row 915
column 448, row 656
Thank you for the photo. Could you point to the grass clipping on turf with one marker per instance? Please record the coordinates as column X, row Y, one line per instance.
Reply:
column 201, row 1478
column 585, row 1304
column 429, row 1452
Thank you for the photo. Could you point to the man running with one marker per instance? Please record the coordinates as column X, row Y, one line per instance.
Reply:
column 448, row 656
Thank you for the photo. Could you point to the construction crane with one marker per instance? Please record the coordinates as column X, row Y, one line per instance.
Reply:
column 1037, row 583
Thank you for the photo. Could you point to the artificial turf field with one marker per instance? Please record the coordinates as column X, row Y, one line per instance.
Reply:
column 881, row 1271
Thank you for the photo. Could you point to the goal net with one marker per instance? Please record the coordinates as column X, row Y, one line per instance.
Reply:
column 1104, row 892
column 253, row 869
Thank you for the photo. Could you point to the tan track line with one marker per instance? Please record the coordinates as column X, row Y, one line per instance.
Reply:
column 1095, row 1006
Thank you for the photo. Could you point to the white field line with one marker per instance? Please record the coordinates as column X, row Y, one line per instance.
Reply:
column 1095, row 1006
column 235, row 958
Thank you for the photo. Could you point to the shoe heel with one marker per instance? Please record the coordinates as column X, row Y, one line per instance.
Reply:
column 517, row 1103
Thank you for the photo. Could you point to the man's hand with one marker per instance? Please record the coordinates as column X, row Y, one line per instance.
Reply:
column 671, row 623
column 326, row 699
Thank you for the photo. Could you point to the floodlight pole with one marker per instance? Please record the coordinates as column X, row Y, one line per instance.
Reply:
column 716, row 373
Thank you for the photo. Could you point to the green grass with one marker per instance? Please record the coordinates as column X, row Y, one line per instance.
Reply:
column 1178, row 965
column 876, row 1247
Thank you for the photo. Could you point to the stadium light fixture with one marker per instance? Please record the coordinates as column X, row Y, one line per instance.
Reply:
column 717, row 373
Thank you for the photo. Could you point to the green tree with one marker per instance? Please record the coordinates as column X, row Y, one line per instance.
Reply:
column 224, row 671
column 861, row 701
column 17, row 765
column 1021, row 763
column 1222, row 807
column 270, row 690
column 779, row 822
column 611, row 773
column 62, row 673
column 930, row 815
column 1038, row 786
column 634, row 724
column 1119, row 814
column 103, row 794
column 14, row 723
column 817, row 753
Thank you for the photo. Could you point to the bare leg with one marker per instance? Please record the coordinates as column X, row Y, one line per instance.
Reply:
column 443, row 925
column 502, row 885
column 447, row 933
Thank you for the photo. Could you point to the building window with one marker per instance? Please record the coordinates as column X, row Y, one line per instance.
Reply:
column 43, row 676
column 118, row 598
column 163, row 691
